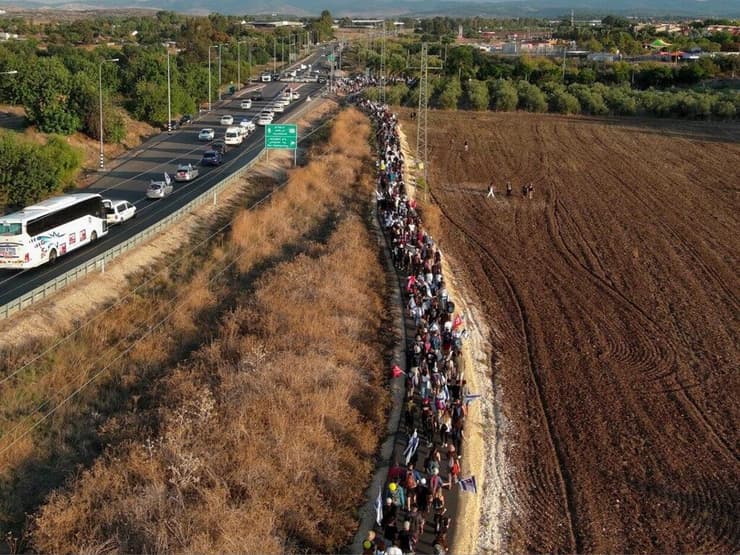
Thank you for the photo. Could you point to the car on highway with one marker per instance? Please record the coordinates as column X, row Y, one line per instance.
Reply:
column 266, row 77
column 160, row 189
column 186, row 172
column 227, row 120
column 247, row 124
column 211, row 158
column 186, row 119
column 264, row 119
column 256, row 95
column 246, row 104
column 233, row 136
column 294, row 94
column 278, row 107
column 118, row 211
column 220, row 146
column 173, row 125
column 207, row 134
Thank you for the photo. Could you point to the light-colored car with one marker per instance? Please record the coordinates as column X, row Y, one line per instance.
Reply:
column 227, row 120
column 118, row 211
column 245, row 104
column 295, row 95
column 278, row 107
column 186, row 172
column 264, row 119
column 247, row 124
column 207, row 134
column 233, row 136
column 159, row 189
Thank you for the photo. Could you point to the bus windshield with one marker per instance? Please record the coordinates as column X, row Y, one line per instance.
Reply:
column 10, row 228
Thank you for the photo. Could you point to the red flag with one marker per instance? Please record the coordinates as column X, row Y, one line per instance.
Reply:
column 457, row 322
column 396, row 371
column 410, row 282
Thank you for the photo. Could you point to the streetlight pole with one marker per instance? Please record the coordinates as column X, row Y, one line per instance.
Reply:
column 219, row 72
column 239, row 63
column 100, row 88
column 169, row 96
column 274, row 53
column 209, row 76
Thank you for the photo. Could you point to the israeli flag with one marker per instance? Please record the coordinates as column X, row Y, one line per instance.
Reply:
column 412, row 446
column 468, row 397
column 379, row 507
column 167, row 178
column 468, row 485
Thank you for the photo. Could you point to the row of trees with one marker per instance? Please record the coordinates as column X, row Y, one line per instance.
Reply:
column 31, row 171
column 467, row 62
column 506, row 95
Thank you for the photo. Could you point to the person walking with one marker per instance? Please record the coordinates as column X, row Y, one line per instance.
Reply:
column 465, row 146
column 508, row 188
column 531, row 191
column 491, row 193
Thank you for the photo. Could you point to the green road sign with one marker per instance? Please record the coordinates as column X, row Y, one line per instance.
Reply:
column 331, row 57
column 281, row 135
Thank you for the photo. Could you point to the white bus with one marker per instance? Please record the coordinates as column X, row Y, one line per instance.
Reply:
column 42, row 232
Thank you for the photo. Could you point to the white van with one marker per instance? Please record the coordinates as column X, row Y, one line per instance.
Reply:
column 266, row 77
column 233, row 136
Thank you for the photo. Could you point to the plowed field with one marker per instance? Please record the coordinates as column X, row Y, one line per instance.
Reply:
column 612, row 296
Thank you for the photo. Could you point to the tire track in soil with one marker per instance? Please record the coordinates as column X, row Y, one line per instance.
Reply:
column 564, row 478
column 689, row 402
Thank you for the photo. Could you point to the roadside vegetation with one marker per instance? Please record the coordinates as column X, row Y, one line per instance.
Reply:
column 251, row 436
column 31, row 171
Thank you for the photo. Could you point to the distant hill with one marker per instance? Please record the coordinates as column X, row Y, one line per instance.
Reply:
column 395, row 8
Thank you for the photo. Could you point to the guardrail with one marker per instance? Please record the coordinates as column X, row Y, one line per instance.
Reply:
column 97, row 264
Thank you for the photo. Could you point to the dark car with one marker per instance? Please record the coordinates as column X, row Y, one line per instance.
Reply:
column 186, row 119
column 321, row 79
column 173, row 125
column 211, row 158
column 256, row 95
column 220, row 147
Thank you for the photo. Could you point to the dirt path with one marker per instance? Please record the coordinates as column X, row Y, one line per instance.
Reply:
column 614, row 296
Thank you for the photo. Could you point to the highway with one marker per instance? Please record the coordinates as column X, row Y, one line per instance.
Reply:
column 129, row 177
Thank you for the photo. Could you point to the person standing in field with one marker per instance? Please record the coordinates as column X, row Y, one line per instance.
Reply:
column 508, row 188
column 531, row 191
column 465, row 146
column 491, row 193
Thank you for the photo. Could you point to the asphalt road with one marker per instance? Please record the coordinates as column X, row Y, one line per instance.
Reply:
column 129, row 177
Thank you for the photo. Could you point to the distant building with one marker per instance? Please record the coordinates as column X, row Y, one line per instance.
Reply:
column 602, row 57
column 275, row 24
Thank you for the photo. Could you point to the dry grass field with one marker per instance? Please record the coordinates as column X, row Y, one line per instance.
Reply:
column 612, row 296
column 233, row 403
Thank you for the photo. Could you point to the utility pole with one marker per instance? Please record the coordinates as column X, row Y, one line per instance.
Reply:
column 382, row 68
column 565, row 52
column 422, row 118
